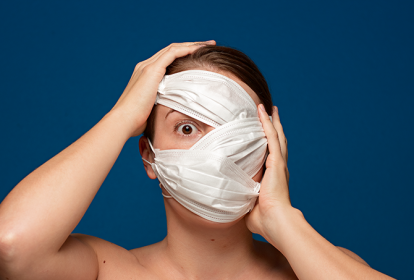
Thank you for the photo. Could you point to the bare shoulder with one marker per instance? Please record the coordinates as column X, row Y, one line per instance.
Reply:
column 273, row 261
column 352, row 255
column 115, row 262
column 150, row 256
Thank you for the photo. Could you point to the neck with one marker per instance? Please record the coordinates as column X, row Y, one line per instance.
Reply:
column 199, row 248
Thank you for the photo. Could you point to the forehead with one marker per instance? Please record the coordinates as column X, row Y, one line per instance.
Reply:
column 252, row 94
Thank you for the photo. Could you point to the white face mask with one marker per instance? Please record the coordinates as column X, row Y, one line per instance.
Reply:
column 212, row 179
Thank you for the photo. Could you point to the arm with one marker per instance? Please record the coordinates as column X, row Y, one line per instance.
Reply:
column 38, row 215
column 352, row 255
column 310, row 255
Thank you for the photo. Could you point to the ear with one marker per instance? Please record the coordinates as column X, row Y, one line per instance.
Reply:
column 145, row 151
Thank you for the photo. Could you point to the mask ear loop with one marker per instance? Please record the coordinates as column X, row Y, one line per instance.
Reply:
column 147, row 161
column 164, row 195
column 152, row 148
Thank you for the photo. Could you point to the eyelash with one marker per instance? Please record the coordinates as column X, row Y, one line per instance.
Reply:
column 177, row 125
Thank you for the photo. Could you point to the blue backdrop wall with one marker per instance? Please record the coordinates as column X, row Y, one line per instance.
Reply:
column 341, row 73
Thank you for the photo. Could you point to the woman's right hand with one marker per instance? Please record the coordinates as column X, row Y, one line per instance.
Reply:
column 137, row 100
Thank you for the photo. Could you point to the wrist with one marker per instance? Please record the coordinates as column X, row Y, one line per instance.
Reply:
column 129, row 126
column 279, row 225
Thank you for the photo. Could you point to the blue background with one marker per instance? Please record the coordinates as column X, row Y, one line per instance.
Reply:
column 341, row 73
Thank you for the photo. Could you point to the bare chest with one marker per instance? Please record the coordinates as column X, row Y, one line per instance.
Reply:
column 132, row 271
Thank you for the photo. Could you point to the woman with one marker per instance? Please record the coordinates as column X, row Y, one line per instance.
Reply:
column 39, row 214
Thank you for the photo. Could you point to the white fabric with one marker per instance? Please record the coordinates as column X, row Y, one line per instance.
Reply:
column 164, row 195
column 213, row 178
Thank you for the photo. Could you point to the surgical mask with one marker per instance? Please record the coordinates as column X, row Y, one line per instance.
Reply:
column 213, row 178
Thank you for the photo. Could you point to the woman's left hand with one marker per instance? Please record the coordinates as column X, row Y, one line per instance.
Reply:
column 274, row 190
column 285, row 227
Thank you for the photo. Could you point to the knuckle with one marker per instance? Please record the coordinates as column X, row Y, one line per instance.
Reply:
column 139, row 65
column 147, row 68
column 272, row 134
column 272, row 160
column 277, row 161
column 174, row 49
column 279, row 125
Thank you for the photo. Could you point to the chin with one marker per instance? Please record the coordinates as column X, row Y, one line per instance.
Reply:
column 176, row 211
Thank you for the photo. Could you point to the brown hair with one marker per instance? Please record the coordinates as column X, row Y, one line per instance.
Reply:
column 220, row 58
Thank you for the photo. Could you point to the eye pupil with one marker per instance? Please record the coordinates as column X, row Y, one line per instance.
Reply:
column 187, row 129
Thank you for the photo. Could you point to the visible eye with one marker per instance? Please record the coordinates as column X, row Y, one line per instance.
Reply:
column 186, row 129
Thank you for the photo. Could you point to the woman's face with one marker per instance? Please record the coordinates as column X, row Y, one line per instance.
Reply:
column 174, row 130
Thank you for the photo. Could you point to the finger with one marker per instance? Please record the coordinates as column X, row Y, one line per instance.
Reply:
column 162, row 51
column 279, row 128
column 282, row 138
column 156, row 70
column 271, row 135
column 144, row 64
column 140, row 66
column 171, row 54
column 275, row 160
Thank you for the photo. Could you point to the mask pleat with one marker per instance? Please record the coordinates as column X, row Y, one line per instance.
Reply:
column 213, row 178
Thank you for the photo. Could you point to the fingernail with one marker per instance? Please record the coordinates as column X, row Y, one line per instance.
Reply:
column 261, row 107
column 275, row 110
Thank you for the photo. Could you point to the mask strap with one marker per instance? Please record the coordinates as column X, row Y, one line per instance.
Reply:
column 166, row 196
column 147, row 161
column 152, row 148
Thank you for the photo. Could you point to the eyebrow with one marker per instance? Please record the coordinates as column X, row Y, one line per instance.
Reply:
column 169, row 112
